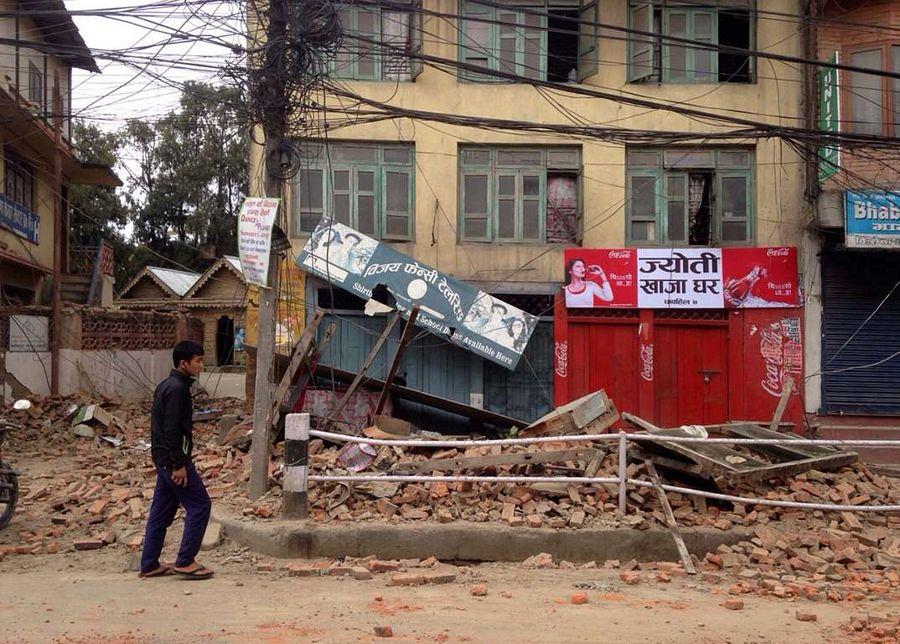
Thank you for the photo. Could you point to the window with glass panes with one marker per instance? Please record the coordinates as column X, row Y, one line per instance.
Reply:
column 662, row 59
column 503, row 191
column 690, row 196
column 397, row 29
column 19, row 179
column 369, row 187
column 873, row 102
column 554, row 40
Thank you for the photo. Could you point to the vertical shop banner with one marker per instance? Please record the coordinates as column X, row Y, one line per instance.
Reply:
column 255, row 222
column 872, row 219
column 460, row 313
column 829, row 119
column 685, row 278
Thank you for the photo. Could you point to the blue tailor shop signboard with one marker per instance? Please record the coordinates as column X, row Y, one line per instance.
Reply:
column 872, row 219
column 449, row 308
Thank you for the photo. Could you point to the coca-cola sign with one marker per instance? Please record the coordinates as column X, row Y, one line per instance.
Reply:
column 562, row 358
column 681, row 278
column 782, row 352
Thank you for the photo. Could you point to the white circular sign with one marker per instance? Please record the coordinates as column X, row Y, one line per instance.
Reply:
column 417, row 289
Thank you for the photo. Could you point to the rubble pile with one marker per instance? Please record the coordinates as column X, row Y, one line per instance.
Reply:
column 574, row 505
column 88, row 493
column 90, row 482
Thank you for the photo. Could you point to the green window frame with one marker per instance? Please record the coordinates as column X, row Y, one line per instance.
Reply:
column 369, row 187
column 514, row 39
column 397, row 29
column 658, row 59
column 658, row 195
column 503, row 191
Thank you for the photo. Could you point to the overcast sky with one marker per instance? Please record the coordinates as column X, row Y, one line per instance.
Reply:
column 121, row 91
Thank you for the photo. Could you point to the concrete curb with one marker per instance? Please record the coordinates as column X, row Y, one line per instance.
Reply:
column 465, row 541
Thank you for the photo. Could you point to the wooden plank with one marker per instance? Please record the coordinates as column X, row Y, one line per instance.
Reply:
column 790, row 468
column 670, row 520
column 480, row 462
column 335, row 412
column 803, row 451
column 416, row 395
column 297, row 358
column 594, row 412
column 676, row 464
column 786, row 389
column 395, row 363
column 289, row 401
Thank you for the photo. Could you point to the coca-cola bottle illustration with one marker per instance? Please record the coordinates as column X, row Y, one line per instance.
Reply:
column 738, row 290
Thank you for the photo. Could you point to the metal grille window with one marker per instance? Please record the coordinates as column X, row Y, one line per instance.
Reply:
column 553, row 40
column 19, row 180
column 656, row 58
column 399, row 32
column 526, row 195
column 690, row 196
column 366, row 186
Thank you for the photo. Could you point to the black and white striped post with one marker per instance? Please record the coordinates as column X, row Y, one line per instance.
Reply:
column 296, row 466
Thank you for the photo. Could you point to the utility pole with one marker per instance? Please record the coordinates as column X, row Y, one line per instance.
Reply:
column 56, row 295
column 271, row 96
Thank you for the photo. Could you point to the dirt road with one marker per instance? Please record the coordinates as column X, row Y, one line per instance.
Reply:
column 91, row 597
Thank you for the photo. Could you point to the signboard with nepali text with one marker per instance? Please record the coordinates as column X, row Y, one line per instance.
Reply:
column 681, row 278
column 255, row 222
column 872, row 219
column 448, row 307
column 18, row 219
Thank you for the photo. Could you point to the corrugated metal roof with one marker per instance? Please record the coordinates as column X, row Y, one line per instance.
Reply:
column 236, row 262
column 179, row 281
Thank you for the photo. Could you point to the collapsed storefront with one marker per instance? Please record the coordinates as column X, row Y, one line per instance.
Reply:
column 682, row 336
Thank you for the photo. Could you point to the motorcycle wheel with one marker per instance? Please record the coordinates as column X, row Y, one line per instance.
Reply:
column 8, row 496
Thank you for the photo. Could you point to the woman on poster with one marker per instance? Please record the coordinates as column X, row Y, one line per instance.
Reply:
column 580, row 292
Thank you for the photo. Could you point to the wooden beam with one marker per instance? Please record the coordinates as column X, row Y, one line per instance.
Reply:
column 395, row 363
column 301, row 351
column 786, row 389
column 289, row 399
column 670, row 519
column 431, row 400
column 336, row 411
column 480, row 462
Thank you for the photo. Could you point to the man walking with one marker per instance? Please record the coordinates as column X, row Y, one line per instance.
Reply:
column 177, row 482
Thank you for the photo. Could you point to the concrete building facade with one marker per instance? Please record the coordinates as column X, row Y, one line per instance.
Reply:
column 466, row 178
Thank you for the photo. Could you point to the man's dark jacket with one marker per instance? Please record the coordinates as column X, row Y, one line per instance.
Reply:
column 171, row 424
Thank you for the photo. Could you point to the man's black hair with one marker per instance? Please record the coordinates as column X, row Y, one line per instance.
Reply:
column 185, row 350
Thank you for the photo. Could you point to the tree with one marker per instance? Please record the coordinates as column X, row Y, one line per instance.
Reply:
column 185, row 180
column 191, row 176
column 98, row 213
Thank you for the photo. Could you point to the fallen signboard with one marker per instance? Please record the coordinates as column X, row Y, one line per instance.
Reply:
column 452, row 309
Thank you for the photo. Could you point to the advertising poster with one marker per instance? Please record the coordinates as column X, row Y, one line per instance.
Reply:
column 872, row 219
column 452, row 309
column 686, row 278
column 601, row 277
column 255, row 222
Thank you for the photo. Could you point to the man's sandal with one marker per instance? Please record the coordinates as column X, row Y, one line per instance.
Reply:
column 164, row 569
column 199, row 573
